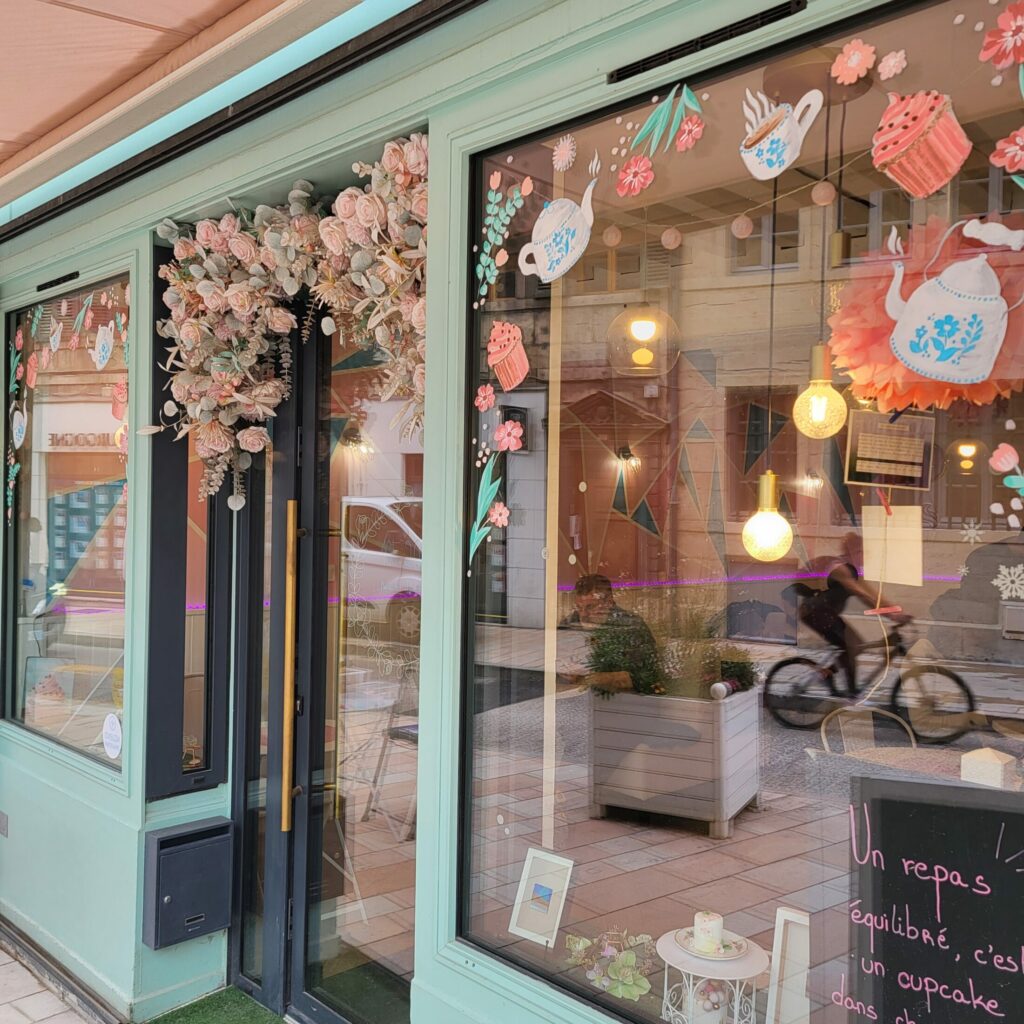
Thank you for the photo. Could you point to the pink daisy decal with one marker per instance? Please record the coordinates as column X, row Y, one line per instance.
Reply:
column 484, row 397
column 1004, row 45
column 498, row 514
column 1009, row 153
column 635, row 176
column 509, row 436
column 856, row 60
column 690, row 132
column 892, row 64
column 563, row 156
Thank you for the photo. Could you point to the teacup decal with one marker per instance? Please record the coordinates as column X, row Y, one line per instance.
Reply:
column 560, row 237
column 775, row 132
column 19, row 426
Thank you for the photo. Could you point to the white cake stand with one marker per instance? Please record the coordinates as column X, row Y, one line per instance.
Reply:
column 679, row 1004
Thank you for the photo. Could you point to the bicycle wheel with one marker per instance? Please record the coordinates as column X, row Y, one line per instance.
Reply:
column 799, row 692
column 935, row 702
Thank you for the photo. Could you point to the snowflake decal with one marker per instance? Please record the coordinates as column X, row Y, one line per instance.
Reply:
column 963, row 571
column 970, row 532
column 1009, row 581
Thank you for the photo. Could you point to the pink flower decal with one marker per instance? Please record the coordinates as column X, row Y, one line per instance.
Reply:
column 32, row 370
column 1004, row 45
column 563, row 155
column 484, row 397
column 508, row 436
column 1009, row 152
column 73, row 342
column 19, row 372
column 19, row 339
column 495, row 179
column 498, row 514
column 856, row 60
column 689, row 133
column 635, row 176
column 1004, row 459
column 892, row 64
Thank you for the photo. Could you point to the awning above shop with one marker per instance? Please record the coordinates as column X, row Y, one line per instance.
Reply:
column 80, row 77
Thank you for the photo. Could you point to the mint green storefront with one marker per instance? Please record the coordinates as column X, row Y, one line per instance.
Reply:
column 73, row 856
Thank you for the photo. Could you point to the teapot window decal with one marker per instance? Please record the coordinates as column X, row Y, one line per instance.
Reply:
column 560, row 236
column 952, row 327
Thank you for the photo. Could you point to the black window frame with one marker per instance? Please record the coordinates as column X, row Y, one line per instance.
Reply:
column 166, row 775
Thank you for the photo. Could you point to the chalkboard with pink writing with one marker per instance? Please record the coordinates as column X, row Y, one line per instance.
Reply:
column 937, row 906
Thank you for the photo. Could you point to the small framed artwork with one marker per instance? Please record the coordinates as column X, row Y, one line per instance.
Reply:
column 883, row 451
column 544, row 884
column 517, row 414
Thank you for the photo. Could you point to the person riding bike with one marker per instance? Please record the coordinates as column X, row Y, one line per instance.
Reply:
column 822, row 610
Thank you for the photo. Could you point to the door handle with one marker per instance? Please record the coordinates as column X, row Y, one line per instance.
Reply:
column 288, row 708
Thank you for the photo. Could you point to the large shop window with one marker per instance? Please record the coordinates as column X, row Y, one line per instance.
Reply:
column 66, row 507
column 744, row 567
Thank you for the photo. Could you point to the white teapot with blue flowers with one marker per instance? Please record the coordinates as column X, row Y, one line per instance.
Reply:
column 952, row 327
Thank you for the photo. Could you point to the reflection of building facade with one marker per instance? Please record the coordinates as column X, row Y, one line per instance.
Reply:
column 505, row 721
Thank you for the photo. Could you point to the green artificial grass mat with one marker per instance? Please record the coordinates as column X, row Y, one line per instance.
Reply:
column 228, row 1007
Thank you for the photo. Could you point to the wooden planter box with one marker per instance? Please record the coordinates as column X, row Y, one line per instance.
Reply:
column 676, row 755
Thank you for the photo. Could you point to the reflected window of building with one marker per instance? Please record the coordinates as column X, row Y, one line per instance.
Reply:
column 66, row 502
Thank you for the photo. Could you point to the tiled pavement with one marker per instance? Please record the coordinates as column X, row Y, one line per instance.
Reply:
column 24, row 998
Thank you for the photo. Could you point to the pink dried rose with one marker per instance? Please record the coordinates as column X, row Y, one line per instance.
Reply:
column 280, row 320
column 206, row 232
column 415, row 153
column 393, row 162
column 304, row 226
column 267, row 258
column 498, row 514
column 335, row 237
column 484, row 397
column 508, row 436
column 853, row 63
column 690, row 131
column 892, row 64
column 228, row 224
column 418, row 206
column 419, row 379
column 345, row 204
column 1009, row 152
column 253, row 439
column 241, row 299
column 243, row 247
column 636, row 175
column 190, row 333
column 371, row 211
column 1004, row 45
column 213, row 439
column 1004, row 458
column 184, row 248
column 419, row 315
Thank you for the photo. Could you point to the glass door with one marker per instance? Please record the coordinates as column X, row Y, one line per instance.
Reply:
column 343, row 551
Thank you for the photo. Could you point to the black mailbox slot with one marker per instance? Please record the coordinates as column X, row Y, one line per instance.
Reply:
column 188, row 882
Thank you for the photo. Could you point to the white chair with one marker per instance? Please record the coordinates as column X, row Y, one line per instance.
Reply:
column 788, row 1001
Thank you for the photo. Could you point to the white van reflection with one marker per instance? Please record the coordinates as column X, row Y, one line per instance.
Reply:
column 383, row 558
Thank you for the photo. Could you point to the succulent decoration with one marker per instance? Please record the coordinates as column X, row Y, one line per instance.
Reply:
column 231, row 286
column 615, row 962
column 498, row 213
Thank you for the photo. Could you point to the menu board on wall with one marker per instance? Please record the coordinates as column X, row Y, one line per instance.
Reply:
column 937, row 909
column 885, row 452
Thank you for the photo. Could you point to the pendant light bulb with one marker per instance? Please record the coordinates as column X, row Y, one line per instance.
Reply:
column 767, row 535
column 819, row 410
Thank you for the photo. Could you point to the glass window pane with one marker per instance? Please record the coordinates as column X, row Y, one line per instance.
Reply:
column 669, row 715
column 67, row 513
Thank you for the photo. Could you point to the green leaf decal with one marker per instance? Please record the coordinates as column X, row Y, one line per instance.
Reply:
column 690, row 100
column 486, row 493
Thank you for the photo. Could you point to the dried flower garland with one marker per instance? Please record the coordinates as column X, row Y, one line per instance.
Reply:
column 231, row 284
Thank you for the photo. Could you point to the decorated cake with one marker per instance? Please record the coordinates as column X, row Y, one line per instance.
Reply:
column 506, row 355
column 919, row 142
column 707, row 931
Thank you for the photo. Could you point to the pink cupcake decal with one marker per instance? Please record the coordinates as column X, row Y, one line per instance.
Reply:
column 919, row 143
column 506, row 355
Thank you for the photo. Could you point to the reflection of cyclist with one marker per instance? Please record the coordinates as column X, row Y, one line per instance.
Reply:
column 822, row 610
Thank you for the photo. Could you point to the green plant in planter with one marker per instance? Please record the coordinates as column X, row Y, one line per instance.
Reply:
column 625, row 644
column 697, row 657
